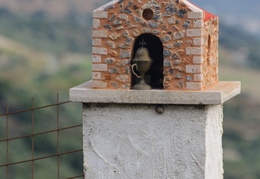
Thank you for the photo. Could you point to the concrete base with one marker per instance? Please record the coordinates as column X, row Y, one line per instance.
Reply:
column 133, row 141
column 125, row 138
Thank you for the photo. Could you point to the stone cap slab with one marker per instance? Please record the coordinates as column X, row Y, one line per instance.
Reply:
column 217, row 94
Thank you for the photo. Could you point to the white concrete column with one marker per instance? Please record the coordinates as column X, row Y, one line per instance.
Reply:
column 125, row 138
column 132, row 141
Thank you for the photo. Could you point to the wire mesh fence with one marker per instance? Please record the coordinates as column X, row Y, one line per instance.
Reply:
column 40, row 142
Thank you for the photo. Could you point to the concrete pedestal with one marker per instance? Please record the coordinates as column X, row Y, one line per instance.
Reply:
column 135, row 142
column 125, row 138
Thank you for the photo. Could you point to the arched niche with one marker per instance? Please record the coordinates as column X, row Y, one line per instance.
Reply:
column 154, row 77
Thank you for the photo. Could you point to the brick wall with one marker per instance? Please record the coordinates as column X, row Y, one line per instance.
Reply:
column 188, row 62
column 210, row 56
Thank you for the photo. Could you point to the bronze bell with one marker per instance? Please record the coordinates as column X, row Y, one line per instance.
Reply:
column 142, row 62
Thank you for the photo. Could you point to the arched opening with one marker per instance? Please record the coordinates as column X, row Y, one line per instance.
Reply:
column 153, row 77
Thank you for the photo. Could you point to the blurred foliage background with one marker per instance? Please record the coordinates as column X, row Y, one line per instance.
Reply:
column 45, row 49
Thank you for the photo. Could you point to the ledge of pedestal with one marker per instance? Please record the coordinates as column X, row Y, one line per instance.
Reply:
column 217, row 94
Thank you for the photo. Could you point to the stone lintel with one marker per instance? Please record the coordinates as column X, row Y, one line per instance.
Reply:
column 217, row 94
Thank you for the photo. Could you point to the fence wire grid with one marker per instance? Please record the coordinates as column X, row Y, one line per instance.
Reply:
column 13, row 133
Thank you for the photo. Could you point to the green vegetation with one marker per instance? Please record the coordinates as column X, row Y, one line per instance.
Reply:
column 234, row 39
column 21, row 79
column 56, row 36
column 40, row 57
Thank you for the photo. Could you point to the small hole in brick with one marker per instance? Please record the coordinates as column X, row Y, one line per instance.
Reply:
column 148, row 14
column 209, row 42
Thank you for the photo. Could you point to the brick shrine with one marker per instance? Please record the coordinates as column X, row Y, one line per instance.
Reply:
column 182, row 40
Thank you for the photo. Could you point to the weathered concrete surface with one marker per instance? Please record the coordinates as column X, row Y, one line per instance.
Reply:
column 132, row 141
column 214, row 152
column 218, row 94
